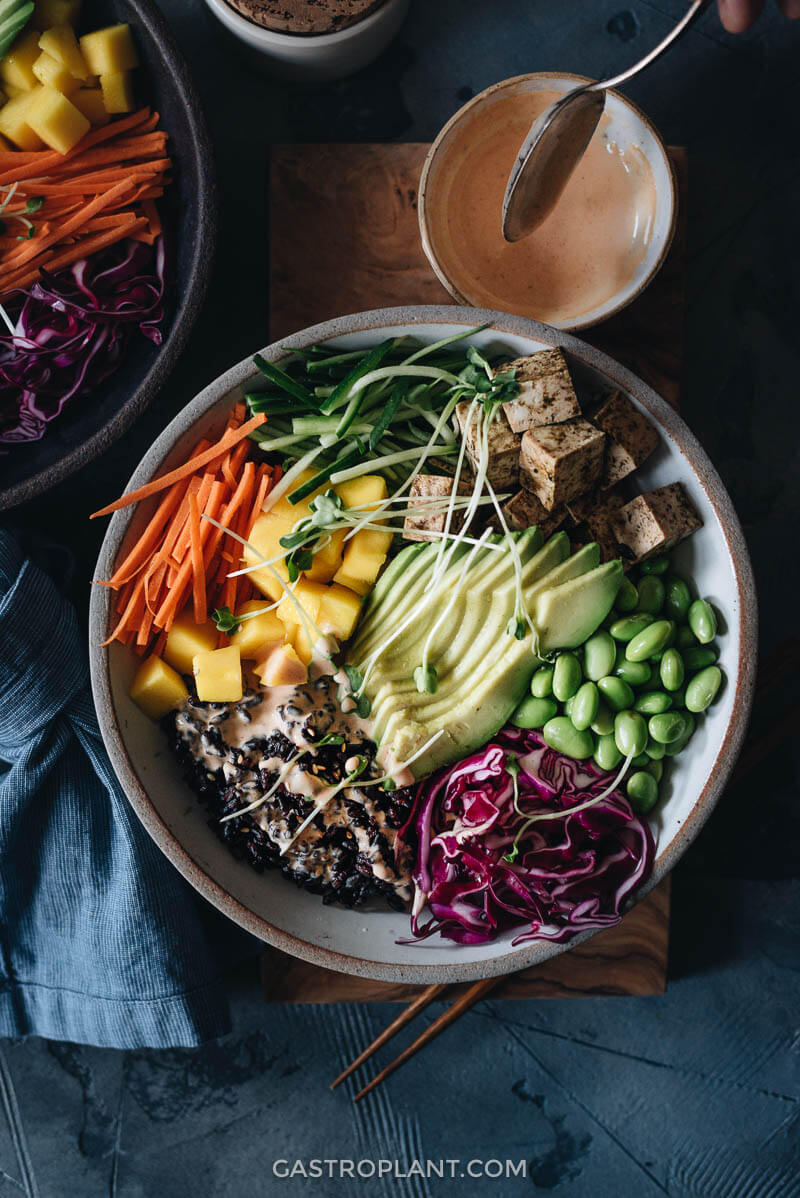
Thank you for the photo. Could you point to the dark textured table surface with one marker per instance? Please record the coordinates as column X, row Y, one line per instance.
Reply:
column 696, row 1093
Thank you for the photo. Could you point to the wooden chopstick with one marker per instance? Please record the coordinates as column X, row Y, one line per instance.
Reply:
column 419, row 1004
column 454, row 1012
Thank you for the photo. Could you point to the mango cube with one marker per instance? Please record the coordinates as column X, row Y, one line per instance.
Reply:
column 265, row 538
column 89, row 101
column 5, row 145
column 218, row 675
column 109, row 51
column 52, row 73
column 55, row 12
column 16, row 65
column 14, row 123
column 362, row 491
column 307, row 595
column 117, row 89
column 157, row 688
column 61, row 44
column 186, row 639
column 55, row 120
column 339, row 612
column 282, row 668
column 364, row 555
column 328, row 558
column 298, row 638
column 258, row 636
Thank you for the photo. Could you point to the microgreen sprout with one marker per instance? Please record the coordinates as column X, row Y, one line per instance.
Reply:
column 225, row 620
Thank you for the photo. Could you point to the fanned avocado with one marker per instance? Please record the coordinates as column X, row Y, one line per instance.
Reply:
column 481, row 670
column 14, row 16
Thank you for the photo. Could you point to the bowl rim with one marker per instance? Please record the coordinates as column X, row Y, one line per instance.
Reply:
column 189, row 303
column 707, row 478
column 277, row 39
column 587, row 320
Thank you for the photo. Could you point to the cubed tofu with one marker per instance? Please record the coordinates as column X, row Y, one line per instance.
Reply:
column 14, row 123
column 16, row 65
column 117, row 89
column 52, row 73
column 89, row 101
column 524, row 510
column 61, row 44
column 260, row 633
column 186, row 639
column 218, row 675
column 546, row 392
column 504, row 447
column 652, row 523
column 109, row 51
column 59, row 123
column 560, row 461
column 307, row 595
column 363, row 558
column 631, row 438
column 47, row 13
column 418, row 526
column 157, row 688
column 594, row 513
column 339, row 612
column 282, row 668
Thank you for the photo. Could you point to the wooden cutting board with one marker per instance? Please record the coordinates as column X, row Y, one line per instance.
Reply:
column 344, row 238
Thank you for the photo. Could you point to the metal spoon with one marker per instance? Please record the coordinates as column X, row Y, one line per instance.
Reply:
column 558, row 139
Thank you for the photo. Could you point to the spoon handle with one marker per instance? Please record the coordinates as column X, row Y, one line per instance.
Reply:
column 693, row 11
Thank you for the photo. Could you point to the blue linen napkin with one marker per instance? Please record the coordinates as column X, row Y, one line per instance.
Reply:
column 101, row 940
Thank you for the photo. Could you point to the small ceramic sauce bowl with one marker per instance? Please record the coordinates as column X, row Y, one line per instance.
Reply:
column 626, row 132
column 320, row 57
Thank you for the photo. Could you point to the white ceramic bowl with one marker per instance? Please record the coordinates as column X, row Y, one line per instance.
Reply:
column 627, row 127
column 364, row 941
column 315, row 58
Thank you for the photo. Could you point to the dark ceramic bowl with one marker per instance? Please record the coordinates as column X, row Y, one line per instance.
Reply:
column 90, row 424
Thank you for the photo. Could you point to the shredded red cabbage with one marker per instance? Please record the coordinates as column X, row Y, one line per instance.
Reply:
column 71, row 331
column 569, row 875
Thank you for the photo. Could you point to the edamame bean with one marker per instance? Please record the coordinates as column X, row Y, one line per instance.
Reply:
column 599, row 655
column 667, row 727
column 640, row 761
column 679, row 698
column 567, row 675
column 702, row 690
column 653, row 702
column 534, row 713
column 656, row 768
column 679, row 745
column 671, row 670
column 700, row 656
column 642, row 790
column 650, row 640
column 617, row 693
column 630, row 733
column 654, row 750
column 703, row 621
column 603, row 722
column 677, row 598
column 542, row 683
column 685, row 638
column 561, row 734
column 607, row 755
column 584, row 706
column 627, row 596
column 655, row 565
column 651, row 594
column 637, row 673
column 630, row 626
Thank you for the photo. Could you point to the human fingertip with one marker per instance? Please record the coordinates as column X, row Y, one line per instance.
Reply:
column 739, row 15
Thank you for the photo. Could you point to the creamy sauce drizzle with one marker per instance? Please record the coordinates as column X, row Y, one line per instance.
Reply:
column 586, row 251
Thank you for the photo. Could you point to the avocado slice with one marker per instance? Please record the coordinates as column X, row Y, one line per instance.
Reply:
column 566, row 615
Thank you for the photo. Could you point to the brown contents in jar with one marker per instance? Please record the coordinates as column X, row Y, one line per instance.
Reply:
column 307, row 17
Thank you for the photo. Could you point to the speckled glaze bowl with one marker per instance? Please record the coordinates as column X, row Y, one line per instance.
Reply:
column 365, row 941
column 88, row 425
column 627, row 127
